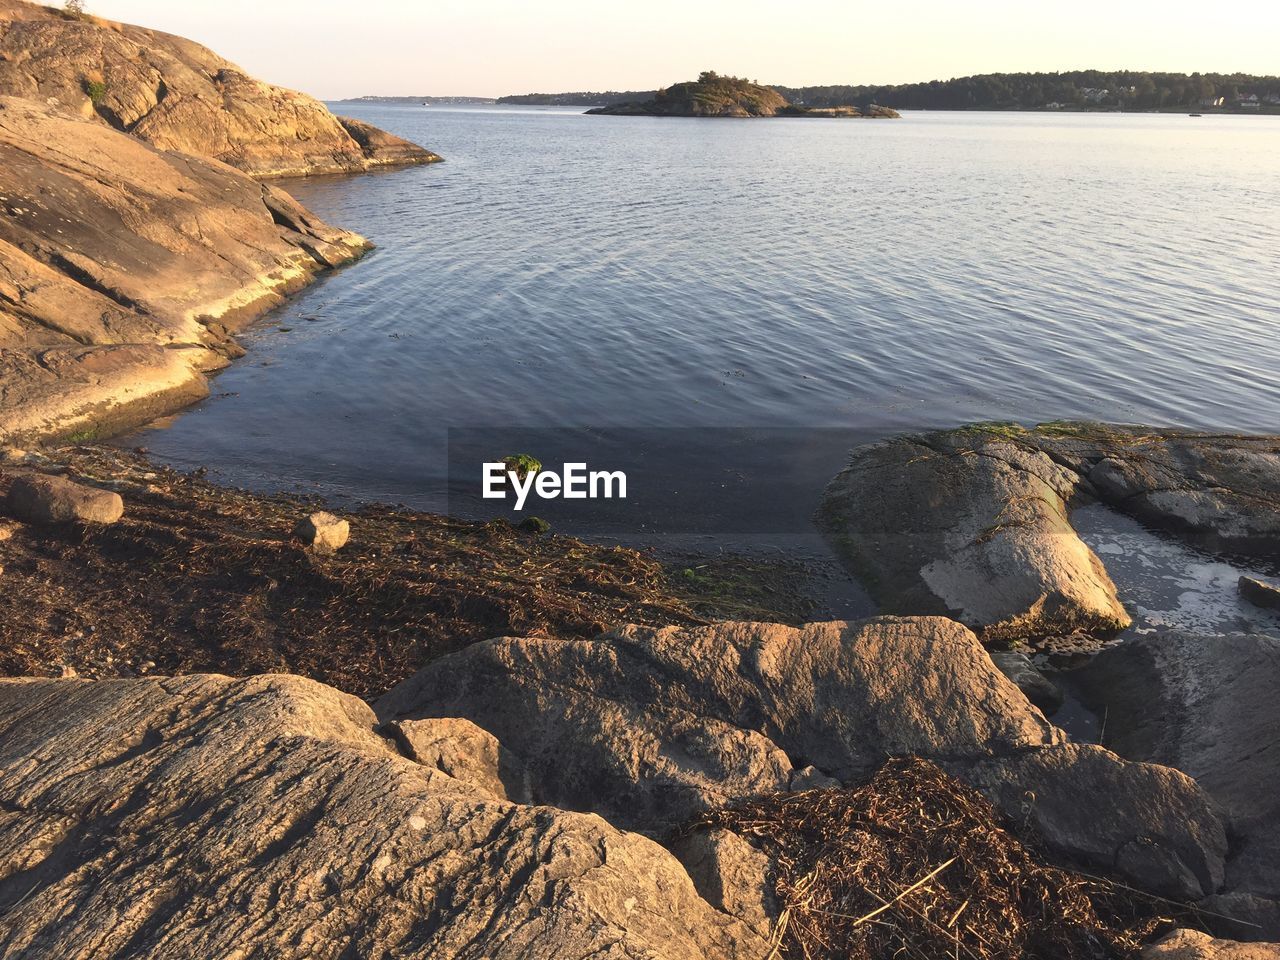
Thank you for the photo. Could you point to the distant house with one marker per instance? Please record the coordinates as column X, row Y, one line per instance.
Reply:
column 1055, row 105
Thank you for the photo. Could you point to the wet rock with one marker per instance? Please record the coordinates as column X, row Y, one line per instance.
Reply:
column 1208, row 706
column 731, row 875
column 1195, row 945
column 649, row 727
column 36, row 498
column 178, row 95
column 170, row 818
column 972, row 526
column 323, row 532
column 1221, row 492
column 1260, row 593
column 1038, row 688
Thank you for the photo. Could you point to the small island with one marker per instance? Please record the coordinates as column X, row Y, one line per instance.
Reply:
column 713, row 95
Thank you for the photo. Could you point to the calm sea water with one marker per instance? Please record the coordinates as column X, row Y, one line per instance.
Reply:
column 568, row 271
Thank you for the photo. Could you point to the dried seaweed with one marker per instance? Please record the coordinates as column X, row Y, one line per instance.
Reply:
column 915, row 864
column 199, row 577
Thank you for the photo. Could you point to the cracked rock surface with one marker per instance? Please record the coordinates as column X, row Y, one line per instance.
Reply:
column 207, row 817
column 649, row 727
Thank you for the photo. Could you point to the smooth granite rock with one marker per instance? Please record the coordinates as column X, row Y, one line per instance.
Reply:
column 969, row 525
column 178, row 95
column 124, row 269
column 974, row 522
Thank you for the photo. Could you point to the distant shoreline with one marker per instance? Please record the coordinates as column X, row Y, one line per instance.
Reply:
column 1086, row 91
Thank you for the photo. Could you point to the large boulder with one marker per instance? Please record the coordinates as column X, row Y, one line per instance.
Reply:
column 1208, row 706
column 123, row 270
column 207, row 817
column 177, row 95
column 974, row 522
column 971, row 525
column 1087, row 803
column 37, row 498
column 650, row 726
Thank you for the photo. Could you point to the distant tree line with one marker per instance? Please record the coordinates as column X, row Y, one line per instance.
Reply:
column 1073, row 90
column 604, row 98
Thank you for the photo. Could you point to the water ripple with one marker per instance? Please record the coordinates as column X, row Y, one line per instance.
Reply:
column 572, row 270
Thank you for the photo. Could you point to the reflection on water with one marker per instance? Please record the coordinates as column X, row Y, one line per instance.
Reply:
column 563, row 270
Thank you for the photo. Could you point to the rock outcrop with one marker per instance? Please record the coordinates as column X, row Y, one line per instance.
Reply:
column 1207, row 705
column 177, row 95
column 170, row 817
column 974, row 522
column 209, row 817
column 971, row 526
column 1221, row 492
column 123, row 270
column 650, row 726
column 1260, row 593
column 713, row 95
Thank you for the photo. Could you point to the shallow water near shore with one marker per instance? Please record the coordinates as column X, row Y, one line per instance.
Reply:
column 876, row 276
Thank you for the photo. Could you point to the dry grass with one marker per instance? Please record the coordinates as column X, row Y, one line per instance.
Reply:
column 198, row 577
column 916, row 865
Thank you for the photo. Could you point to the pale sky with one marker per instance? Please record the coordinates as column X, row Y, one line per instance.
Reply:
column 340, row 48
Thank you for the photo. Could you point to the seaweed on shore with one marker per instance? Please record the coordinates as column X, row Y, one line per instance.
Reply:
column 203, row 578
column 915, row 864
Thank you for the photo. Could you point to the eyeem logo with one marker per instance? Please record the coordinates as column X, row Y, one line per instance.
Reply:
column 574, row 482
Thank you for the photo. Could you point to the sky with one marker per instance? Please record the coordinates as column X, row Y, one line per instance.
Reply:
column 337, row 48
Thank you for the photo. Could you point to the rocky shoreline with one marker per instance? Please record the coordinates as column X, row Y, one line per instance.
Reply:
column 135, row 235
column 581, row 751
column 236, row 725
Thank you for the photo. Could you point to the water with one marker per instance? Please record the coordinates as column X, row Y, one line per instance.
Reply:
column 568, row 271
